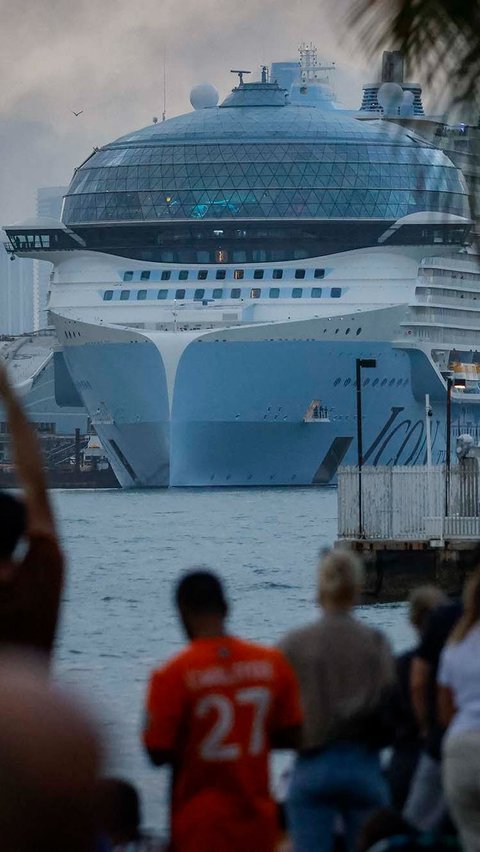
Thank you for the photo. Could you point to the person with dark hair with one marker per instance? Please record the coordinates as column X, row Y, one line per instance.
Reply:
column 407, row 743
column 119, row 818
column 30, row 589
column 213, row 713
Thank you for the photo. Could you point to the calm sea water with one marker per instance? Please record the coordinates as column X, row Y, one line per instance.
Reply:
column 125, row 551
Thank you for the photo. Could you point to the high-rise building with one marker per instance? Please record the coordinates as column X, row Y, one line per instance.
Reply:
column 49, row 204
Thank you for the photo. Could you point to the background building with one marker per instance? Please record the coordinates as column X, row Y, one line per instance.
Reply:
column 16, row 287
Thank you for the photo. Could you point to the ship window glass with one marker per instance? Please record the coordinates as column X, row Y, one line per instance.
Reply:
column 336, row 292
column 358, row 331
column 108, row 296
column 316, row 293
column 202, row 274
column 128, row 276
column 255, row 293
column 277, row 273
column 162, row 294
column 220, row 274
column 166, row 274
column 183, row 275
column 124, row 295
column 319, row 273
column 199, row 294
column 297, row 293
column 217, row 293
column 145, row 275
column 274, row 292
column 179, row 294
column 235, row 293
column 258, row 273
column 299, row 273
column 238, row 274
column 141, row 295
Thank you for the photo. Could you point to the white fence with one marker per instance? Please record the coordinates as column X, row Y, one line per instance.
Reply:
column 409, row 502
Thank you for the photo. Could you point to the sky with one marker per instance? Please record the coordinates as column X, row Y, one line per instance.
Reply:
column 106, row 57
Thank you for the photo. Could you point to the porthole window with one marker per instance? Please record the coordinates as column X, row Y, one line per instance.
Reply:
column 235, row 293
column 128, row 276
column 141, row 295
column 274, row 292
column 358, row 331
column 277, row 273
column 199, row 294
column 238, row 274
column 399, row 383
column 384, row 382
column 162, row 294
column 391, row 382
column 366, row 382
column 202, row 274
column 336, row 382
column 375, row 383
column 166, row 274
column 319, row 273
column 335, row 292
column 316, row 293
column 255, row 293
column 258, row 273
column 347, row 382
column 124, row 295
column 347, row 331
column 145, row 275
column 220, row 274
column 183, row 275
column 179, row 294
column 299, row 273
column 108, row 296
column 217, row 293
column 336, row 331
column 297, row 293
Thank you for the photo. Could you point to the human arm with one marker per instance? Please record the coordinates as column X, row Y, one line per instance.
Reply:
column 420, row 674
column 446, row 705
column 28, row 461
column 163, row 714
column 287, row 719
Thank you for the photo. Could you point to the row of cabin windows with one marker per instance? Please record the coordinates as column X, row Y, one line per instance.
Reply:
column 220, row 293
column 220, row 274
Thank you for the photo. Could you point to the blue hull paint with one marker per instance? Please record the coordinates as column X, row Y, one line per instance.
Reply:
column 237, row 410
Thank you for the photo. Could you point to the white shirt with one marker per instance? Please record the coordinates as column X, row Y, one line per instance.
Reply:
column 460, row 670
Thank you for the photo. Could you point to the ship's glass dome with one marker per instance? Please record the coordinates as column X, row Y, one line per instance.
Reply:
column 237, row 162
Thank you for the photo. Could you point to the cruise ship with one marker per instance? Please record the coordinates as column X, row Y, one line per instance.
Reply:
column 217, row 275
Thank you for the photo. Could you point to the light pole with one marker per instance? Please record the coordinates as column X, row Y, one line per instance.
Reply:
column 451, row 383
column 360, row 363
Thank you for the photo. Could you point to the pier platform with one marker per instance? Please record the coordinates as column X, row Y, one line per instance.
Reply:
column 412, row 525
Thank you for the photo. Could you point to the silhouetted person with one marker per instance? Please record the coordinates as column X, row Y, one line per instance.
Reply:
column 49, row 761
column 214, row 711
column 120, row 819
column 345, row 669
column 407, row 743
column 30, row 589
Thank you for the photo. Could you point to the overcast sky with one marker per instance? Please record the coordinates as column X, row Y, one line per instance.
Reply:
column 106, row 57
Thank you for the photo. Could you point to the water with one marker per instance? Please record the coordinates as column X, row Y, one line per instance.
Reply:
column 125, row 551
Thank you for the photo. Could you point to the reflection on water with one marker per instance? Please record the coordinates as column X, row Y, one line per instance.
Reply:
column 125, row 551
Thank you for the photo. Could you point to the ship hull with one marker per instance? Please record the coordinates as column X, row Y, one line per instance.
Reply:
column 233, row 412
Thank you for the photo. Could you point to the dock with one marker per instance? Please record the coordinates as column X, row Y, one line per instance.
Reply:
column 411, row 525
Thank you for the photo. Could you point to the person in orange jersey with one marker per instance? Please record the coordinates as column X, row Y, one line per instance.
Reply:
column 213, row 713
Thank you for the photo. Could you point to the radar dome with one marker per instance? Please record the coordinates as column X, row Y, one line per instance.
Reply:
column 204, row 96
column 390, row 96
column 407, row 106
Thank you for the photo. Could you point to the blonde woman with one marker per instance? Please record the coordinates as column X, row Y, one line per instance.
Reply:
column 343, row 667
column 459, row 708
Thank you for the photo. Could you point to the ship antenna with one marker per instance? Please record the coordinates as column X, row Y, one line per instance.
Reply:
column 240, row 74
column 164, row 113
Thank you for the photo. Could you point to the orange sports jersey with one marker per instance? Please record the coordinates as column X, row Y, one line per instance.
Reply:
column 216, row 706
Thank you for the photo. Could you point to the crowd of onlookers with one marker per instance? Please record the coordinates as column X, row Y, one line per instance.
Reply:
column 387, row 750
